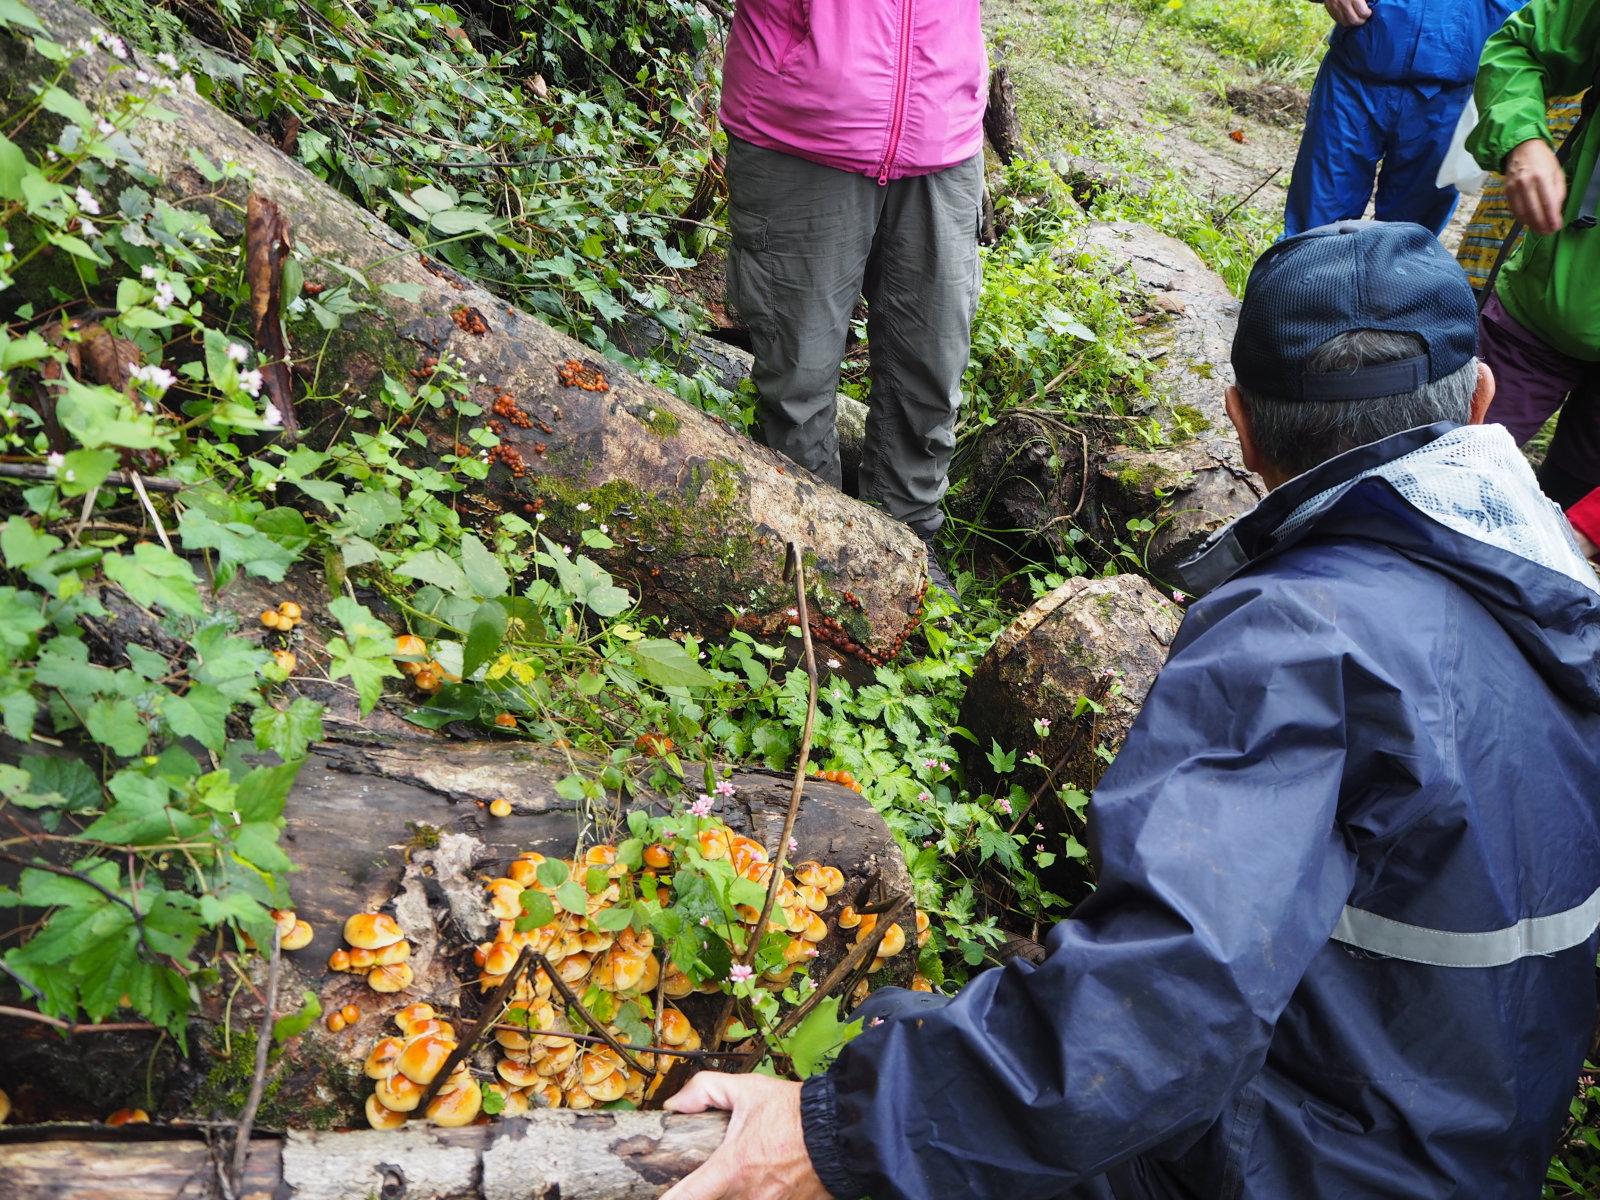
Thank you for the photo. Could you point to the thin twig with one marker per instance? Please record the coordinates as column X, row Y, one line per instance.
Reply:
column 51, row 868
column 793, row 563
column 593, row 1039
column 572, row 1000
column 258, row 1084
column 27, row 1014
column 1218, row 223
column 144, row 498
column 156, row 483
column 487, row 1016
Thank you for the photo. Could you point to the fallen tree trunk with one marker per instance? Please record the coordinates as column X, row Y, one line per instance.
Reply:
column 700, row 517
column 573, row 1156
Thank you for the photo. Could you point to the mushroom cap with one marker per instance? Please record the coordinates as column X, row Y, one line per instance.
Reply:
column 922, row 921
column 675, row 983
column 576, row 1097
column 713, row 843
column 505, row 898
column 809, row 873
column 399, row 952
column 574, row 968
column 652, row 974
column 423, row 1056
column 362, row 960
column 593, row 941
column 597, row 1065
column 516, row 1100
column 657, row 856
column 773, row 980
column 798, row 950
column 815, row 898
column 849, row 918
column 421, row 1010
column 456, row 1106
column 501, row 957
column 894, row 941
column 381, row 1116
column 546, row 1094
column 384, row 1058
column 816, row 928
column 394, row 978
column 5, row 1106
column 372, row 931
column 284, row 919
column 921, row 983
column 864, row 926
column 557, row 1059
column 523, row 871
column 675, row 1027
column 298, row 937
column 128, row 1116
column 613, row 1087
column 518, row 1071
column 398, row 1093
column 833, row 881
column 339, row 960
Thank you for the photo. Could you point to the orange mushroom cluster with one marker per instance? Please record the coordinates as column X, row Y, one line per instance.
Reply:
column 378, row 950
column 283, row 618
column 843, row 778
column 293, row 933
column 404, row 1066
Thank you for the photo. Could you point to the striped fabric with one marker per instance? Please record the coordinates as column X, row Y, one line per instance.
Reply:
column 1491, row 221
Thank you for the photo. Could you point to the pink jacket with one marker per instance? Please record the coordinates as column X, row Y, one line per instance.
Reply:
column 880, row 87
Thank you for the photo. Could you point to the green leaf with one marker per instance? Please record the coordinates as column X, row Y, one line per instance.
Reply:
column 227, row 662
column 614, row 919
column 667, row 663
column 67, row 781
column 101, row 416
column 295, row 1024
column 64, row 104
column 20, row 620
column 154, row 576
column 238, row 545
column 367, row 664
column 488, row 578
column 262, row 792
column 288, row 732
column 552, row 873
column 14, row 165
column 439, row 569
column 23, row 546
column 484, row 637
column 118, row 725
column 537, row 911
column 817, row 1039
column 357, row 620
column 572, row 897
column 409, row 292
column 256, row 842
column 14, row 13
column 201, row 713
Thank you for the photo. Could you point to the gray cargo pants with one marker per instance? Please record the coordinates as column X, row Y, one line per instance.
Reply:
column 807, row 240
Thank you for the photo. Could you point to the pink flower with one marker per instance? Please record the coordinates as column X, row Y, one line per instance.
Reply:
column 1179, row 597
column 724, row 787
column 738, row 973
column 923, row 797
column 929, row 764
column 1038, row 826
column 701, row 807
column 1003, row 805
column 794, row 845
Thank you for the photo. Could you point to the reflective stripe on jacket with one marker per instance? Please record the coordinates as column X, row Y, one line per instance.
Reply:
column 1373, row 725
column 878, row 87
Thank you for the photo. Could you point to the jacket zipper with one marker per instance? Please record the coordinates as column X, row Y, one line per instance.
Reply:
column 902, row 84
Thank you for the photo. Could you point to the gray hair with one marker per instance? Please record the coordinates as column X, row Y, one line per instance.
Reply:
column 1296, row 435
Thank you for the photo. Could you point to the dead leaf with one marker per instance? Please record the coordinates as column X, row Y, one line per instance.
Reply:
column 266, row 245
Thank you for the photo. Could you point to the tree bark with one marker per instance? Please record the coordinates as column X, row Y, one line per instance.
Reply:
column 574, row 1156
column 1000, row 117
column 701, row 517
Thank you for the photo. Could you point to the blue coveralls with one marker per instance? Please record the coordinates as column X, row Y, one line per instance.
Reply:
column 1389, row 91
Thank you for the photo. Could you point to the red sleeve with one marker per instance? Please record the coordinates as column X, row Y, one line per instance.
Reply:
column 1585, row 516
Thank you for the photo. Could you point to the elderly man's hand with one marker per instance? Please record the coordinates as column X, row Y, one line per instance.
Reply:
column 1536, row 189
column 1348, row 12
column 763, row 1156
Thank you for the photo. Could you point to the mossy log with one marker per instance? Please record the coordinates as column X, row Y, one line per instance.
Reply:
column 701, row 516
column 575, row 1156
column 1082, row 659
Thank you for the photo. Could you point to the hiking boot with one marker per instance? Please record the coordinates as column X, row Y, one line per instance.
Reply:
column 938, row 576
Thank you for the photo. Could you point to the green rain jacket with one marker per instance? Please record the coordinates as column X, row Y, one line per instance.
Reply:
column 1549, row 48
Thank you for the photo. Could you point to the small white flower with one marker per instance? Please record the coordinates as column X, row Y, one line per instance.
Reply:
column 186, row 83
column 83, row 46
column 583, row 506
column 143, row 76
column 7, row 248
column 237, row 352
column 539, row 516
column 86, row 201
column 604, row 529
column 157, row 377
column 53, row 461
column 168, row 61
column 148, row 271
column 87, row 228
column 272, row 418
column 105, row 127
column 250, row 382
column 833, row 664
column 165, row 297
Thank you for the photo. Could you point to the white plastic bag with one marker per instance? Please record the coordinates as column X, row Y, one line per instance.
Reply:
column 1459, row 169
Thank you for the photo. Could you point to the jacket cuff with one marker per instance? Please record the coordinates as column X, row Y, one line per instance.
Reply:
column 1585, row 516
column 819, row 1117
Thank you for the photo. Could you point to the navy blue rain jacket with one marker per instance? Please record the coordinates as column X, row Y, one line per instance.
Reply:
column 1373, row 727
column 1420, row 41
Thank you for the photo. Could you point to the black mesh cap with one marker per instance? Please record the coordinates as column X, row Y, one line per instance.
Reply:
column 1388, row 275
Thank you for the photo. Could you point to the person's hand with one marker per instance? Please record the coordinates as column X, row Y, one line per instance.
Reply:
column 1348, row 12
column 1536, row 189
column 1585, row 547
column 763, row 1156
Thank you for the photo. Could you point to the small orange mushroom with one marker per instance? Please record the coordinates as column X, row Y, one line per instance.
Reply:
column 298, row 937
column 129, row 1116
column 381, row 1116
column 500, row 807
column 394, row 978
column 372, row 931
